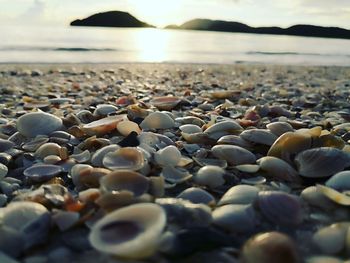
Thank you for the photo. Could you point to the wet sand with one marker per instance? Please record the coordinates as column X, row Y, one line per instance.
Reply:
column 283, row 131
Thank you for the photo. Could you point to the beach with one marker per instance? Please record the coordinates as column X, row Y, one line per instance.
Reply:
column 233, row 162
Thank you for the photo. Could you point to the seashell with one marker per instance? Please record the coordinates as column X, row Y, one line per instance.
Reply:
column 240, row 195
column 47, row 149
column 104, row 109
column 175, row 175
column 130, row 232
column 85, row 116
column 197, row 196
column 103, row 126
column 112, row 201
column 184, row 161
column 316, row 198
column 254, row 180
column 190, row 120
column 334, row 195
column 85, row 176
column 211, row 176
column 331, row 239
column 280, row 208
column 126, row 127
column 248, row 168
column 208, row 161
column 3, row 171
column 340, row 181
column 153, row 139
column 97, row 157
column 278, row 128
column 5, row 145
column 330, row 140
column 65, row 220
column 34, row 144
column 321, row 162
column 235, row 140
column 259, row 136
column 82, row 157
column 90, row 194
column 199, row 137
column 37, row 123
column 234, row 155
column 135, row 111
column 169, row 155
column 52, row 159
column 190, row 128
column 124, row 180
column 278, row 169
column 184, row 214
column 235, row 218
column 42, row 172
column 270, row 247
column 124, row 158
column 156, row 186
column 224, row 94
column 323, row 259
column 223, row 128
column 165, row 103
column 157, row 120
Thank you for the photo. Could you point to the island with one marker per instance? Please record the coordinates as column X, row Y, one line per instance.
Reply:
column 110, row 19
column 296, row 30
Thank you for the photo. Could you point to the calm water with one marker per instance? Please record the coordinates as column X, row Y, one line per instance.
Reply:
column 104, row 45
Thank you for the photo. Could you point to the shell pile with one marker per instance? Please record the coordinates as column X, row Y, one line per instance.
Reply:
column 174, row 163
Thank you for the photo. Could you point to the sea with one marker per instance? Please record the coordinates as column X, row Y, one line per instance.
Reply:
column 65, row 44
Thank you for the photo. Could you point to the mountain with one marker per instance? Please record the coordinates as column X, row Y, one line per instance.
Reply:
column 110, row 19
column 296, row 30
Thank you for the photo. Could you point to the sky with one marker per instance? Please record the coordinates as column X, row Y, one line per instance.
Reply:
column 160, row 13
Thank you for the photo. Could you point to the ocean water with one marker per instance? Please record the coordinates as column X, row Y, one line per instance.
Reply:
column 113, row 45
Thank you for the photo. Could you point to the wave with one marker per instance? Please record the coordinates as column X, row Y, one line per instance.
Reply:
column 292, row 53
column 66, row 49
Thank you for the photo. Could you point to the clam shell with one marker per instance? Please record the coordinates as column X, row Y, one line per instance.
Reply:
column 235, row 218
column 278, row 128
column 3, row 171
column 48, row 149
column 316, row 198
column 190, row 128
column 85, row 176
column 165, row 103
column 271, row 247
column 340, row 181
column 234, row 155
column 97, row 157
column 334, row 195
column 125, row 180
column 130, row 232
column 211, row 176
column 124, row 158
column 157, row 120
column 321, row 162
column 37, row 123
column 126, row 127
column 103, row 126
column 42, row 172
column 5, row 145
column 169, row 155
column 239, row 194
column 104, row 109
column 197, row 196
column 259, row 136
column 235, row 140
column 224, row 94
column 280, row 208
column 223, row 128
column 278, row 169
column 175, row 175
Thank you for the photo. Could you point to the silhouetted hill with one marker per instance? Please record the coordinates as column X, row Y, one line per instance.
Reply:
column 110, row 19
column 297, row 30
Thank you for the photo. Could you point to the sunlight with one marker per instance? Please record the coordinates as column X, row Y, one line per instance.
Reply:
column 152, row 45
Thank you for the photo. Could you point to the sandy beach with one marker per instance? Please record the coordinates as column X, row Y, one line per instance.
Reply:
column 234, row 163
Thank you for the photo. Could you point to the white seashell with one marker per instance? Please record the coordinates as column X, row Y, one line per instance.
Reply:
column 82, row 157
column 36, row 123
column 157, row 120
column 331, row 239
column 235, row 218
column 165, row 102
column 321, row 162
column 3, row 171
column 190, row 128
column 334, row 195
column 175, row 175
column 223, row 128
column 124, row 158
column 97, row 157
column 211, row 176
column 197, row 196
column 278, row 169
column 130, row 232
column 126, row 127
column 316, row 198
column 340, row 181
column 248, row 168
column 239, row 194
column 279, row 127
column 259, row 136
column 234, row 155
column 169, row 155
column 234, row 140
column 104, row 109
column 103, row 126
